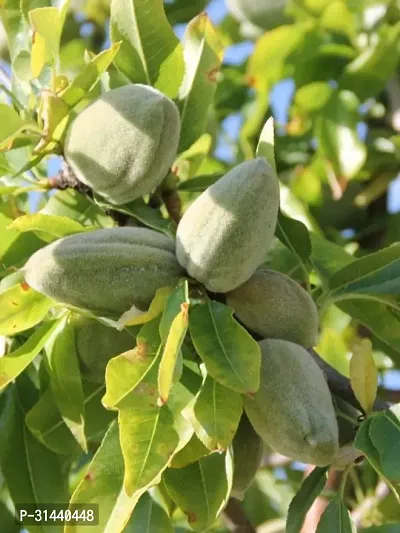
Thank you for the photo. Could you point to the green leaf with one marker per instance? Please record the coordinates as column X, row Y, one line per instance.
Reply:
column 364, row 443
column 11, row 125
column 336, row 131
column 22, row 308
column 12, row 364
column 328, row 258
column 309, row 491
column 145, row 214
column 150, row 52
column 46, row 424
column 131, row 378
column 15, row 248
column 368, row 73
column 336, row 518
column 377, row 273
column 7, row 519
column 171, row 353
column 267, row 62
column 364, row 375
column 384, row 431
column 294, row 235
column 32, row 472
column 230, row 354
column 149, row 517
column 214, row 414
column 192, row 452
column 65, row 379
column 84, row 82
column 103, row 486
column 266, row 143
column 73, row 205
column 12, row 18
column 313, row 96
column 201, row 489
column 203, row 53
column 53, row 225
column 149, row 440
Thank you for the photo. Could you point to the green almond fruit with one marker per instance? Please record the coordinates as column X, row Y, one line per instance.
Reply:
column 96, row 344
column 293, row 411
column 264, row 14
column 124, row 143
column 106, row 271
column 225, row 233
column 274, row 306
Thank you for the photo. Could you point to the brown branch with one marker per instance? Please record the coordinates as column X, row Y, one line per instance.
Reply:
column 340, row 385
column 236, row 520
column 66, row 179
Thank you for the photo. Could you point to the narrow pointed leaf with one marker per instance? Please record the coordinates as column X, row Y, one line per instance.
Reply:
column 214, row 414
column 169, row 359
column 22, row 457
column 149, row 517
column 336, row 518
column 384, row 431
column 201, row 489
column 173, row 307
column 230, row 354
column 53, row 225
column 65, row 379
column 150, row 52
column 12, row 364
column 103, row 486
column 203, row 53
column 149, row 439
column 310, row 489
column 377, row 273
column 364, row 375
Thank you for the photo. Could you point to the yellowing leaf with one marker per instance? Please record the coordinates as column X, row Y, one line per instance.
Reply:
column 171, row 353
column 22, row 308
column 364, row 375
column 134, row 317
column 53, row 225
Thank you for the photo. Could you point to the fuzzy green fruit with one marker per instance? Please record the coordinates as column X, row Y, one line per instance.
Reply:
column 247, row 455
column 225, row 234
column 263, row 14
column 106, row 271
column 276, row 307
column 292, row 411
column 96, row 344
column 123, row 144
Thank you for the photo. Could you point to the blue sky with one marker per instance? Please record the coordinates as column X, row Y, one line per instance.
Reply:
column 280, row 97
